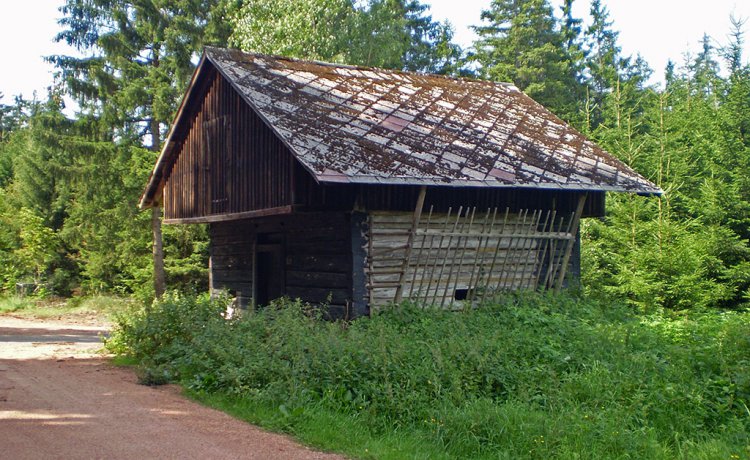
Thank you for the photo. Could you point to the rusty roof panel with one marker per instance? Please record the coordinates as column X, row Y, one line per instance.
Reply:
column 359, row 125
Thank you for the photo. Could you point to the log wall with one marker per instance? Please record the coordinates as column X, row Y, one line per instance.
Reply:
column 317, row 257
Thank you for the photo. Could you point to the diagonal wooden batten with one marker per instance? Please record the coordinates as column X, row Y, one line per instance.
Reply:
column 529, row 255
column 437, row 257
column 419, row 256
column 463, row 253
column 448, row 283
column 542, row 254
column 448, row 249
column 559, row 251
column 535, row 260
column 477, row 266
column 520, row 253
column 510, row 252
column 552, row 255
column 523, row 254
column 495, row 253
column 410, row 242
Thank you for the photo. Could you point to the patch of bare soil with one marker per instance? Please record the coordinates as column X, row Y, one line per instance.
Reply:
column 60, row 398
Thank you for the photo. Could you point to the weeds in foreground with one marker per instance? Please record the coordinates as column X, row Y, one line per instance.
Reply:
column 524, row 377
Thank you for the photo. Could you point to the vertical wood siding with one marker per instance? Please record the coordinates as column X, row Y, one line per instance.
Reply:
column 229, row 161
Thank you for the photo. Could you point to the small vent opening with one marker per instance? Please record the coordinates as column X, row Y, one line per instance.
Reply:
column 463, row 293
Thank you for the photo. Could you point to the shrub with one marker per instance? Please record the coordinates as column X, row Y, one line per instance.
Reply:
column 523, row 376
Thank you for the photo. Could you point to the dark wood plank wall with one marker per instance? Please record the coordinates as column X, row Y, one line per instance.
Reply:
column 316, row 251
column 403, row 198
column 232, row 253
column 229, row 161
column 345, row 197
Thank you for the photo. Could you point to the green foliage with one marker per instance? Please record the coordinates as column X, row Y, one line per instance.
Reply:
column 522, row 377
column 39, row 245
column 82, row 177
column 14, row 304
column 137, row 59
column 395, row 34
column 156, row 332
column 522, row 43
column 691, row 248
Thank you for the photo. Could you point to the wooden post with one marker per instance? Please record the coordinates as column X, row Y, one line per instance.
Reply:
column 410, row 242
column 160, row 283
column 571, row 242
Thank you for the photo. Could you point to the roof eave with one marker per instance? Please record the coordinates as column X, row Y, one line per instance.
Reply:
column 377, row 180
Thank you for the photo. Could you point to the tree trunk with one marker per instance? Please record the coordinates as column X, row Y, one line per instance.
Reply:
column 160, row 283
column 160, row 277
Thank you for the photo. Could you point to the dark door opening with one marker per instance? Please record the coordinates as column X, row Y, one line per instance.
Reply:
column 269, row 268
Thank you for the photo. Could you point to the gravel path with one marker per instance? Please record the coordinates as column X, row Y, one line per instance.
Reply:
column 60, row 399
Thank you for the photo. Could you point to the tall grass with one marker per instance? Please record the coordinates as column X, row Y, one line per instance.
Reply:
column 527, row 376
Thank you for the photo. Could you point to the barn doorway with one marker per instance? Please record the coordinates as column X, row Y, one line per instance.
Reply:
column 269, row 268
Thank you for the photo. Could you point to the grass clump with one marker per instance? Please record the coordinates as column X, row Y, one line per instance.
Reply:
column 13, row 304
column 527, row 376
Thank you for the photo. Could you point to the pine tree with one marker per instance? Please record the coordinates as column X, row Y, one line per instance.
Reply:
column 12, row 119
column 571, row 29
column 689, row 249
column 36, row 198
column 12, row 116
column 429, row 44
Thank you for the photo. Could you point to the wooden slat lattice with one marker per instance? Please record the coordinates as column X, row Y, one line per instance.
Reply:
column 466, row 255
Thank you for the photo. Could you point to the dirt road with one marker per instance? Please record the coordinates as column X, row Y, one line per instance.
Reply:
column 60, row 399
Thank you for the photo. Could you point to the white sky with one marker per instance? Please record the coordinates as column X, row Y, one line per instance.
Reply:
column 657, row 29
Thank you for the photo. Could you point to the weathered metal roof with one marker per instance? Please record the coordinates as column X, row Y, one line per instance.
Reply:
column 350, row 124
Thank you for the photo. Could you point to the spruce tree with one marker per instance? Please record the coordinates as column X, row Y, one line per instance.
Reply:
column 426, row 45
column 521, row 43
column 137, row 61
column 603, row 63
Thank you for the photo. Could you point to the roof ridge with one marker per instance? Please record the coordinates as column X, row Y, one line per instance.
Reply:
column 362, row 67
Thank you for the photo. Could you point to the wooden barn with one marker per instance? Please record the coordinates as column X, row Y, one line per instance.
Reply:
column 355, row 187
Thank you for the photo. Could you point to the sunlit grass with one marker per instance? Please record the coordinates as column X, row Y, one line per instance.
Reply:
column 94, row 307
column 14, row 304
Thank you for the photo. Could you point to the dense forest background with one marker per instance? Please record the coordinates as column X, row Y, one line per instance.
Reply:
column 69, row 187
